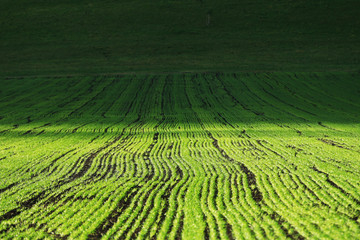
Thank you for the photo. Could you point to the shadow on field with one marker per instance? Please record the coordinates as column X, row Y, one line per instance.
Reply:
column 224, row 100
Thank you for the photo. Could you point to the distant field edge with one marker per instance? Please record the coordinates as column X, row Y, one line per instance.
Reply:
column 110, row 74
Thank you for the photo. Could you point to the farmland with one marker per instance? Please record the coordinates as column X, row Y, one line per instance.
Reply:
column 184, row 155
column 63, row 37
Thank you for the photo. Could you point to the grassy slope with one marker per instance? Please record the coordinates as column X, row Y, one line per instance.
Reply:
column 67, row 37
column 264, row 156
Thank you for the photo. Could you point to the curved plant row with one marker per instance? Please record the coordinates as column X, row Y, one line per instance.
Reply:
column 181, row 156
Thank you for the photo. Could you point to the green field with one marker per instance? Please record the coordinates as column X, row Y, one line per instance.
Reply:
column 191, row 156
column 62, row 37
column 180, row 119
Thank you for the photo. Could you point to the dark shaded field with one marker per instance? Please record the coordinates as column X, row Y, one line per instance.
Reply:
column 91, row 37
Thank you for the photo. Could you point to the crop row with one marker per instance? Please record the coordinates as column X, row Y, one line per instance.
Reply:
column 193, row 156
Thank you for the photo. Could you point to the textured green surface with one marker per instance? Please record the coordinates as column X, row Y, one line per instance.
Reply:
column 64, row 37
column 230, row 156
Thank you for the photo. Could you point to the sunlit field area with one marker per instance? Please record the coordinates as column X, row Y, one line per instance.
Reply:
column 181, row 156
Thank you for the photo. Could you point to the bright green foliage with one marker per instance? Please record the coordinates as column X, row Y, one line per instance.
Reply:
column 192, row 156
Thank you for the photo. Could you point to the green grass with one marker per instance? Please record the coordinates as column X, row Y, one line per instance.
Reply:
column 219, row 156
column 91, row 37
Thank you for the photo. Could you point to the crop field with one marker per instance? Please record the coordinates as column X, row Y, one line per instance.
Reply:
column 181, row 156
column 63, row 37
